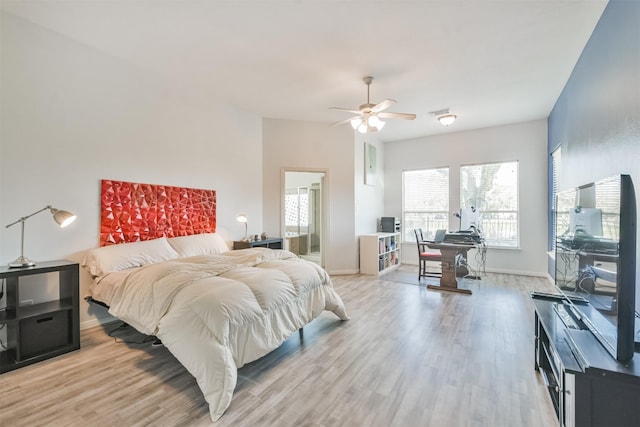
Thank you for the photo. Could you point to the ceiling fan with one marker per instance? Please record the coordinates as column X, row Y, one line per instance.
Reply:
column 369, row 115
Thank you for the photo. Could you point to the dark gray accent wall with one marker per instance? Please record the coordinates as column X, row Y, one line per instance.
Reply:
column 596, row 119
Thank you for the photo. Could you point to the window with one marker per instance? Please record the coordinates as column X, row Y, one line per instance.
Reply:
column 296, row 209
column 606, row 196
column 425, row 202
column 492, row 190
column 608, row 200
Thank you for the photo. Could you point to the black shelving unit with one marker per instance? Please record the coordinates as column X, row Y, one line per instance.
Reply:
column 39, row 331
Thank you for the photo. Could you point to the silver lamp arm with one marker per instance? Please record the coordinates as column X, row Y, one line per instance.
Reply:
column 24, row 218
column 63, row 218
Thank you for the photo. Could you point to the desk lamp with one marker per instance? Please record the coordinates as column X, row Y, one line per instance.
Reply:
column 62, row 218
column 243, row 218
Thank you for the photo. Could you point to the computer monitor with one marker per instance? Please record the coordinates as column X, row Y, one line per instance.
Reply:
column 585, row 221
column 469, row 217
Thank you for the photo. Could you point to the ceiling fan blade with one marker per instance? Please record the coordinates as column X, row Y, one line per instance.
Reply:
column 404, row 116
column 346, row 109
column 341, row 122
column 383, row 105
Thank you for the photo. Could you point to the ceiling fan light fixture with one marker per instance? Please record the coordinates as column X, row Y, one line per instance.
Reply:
column 367, row 119
column 367, row 124
column 447, row 119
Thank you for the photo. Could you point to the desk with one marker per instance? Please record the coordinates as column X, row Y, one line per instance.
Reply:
column 593, row 266
column 448, row 281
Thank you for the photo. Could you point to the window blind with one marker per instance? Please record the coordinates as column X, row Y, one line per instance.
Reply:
column 556, row 157
column 425, row 202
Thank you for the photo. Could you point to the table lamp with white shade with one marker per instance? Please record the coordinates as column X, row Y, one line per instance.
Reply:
column 243, row 218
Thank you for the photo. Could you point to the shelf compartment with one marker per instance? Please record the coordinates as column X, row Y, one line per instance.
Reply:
column 552, row 387
column 7, row 357
column 34, row 310
column 8, row 315
column 44, row 333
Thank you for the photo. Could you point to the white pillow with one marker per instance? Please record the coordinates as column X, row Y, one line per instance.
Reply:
column 100, row 261
column 198, row 244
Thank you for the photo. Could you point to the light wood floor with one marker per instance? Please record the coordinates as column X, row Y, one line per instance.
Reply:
column 408, row 357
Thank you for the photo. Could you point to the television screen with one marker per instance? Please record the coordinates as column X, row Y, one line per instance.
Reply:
column 595, row 259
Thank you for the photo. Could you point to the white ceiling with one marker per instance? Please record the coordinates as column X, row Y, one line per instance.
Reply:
column 492, row 62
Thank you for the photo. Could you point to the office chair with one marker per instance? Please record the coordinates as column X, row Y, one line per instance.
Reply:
column 426, row 255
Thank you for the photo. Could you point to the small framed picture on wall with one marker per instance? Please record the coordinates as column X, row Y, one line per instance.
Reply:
column 370, row 164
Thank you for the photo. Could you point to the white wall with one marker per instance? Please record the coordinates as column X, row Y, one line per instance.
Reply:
column 296, row 145
column 302, row 179
column 525, row 142
column 72, row 116
column 369, row 199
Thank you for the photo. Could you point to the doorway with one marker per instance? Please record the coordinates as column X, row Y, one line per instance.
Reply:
column 304, row 214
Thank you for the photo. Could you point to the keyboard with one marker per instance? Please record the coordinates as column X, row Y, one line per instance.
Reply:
column 565, row 316
column 468, row 238
column 576, row 299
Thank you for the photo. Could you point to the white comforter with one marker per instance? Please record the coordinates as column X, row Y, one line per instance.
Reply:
column 216, row 313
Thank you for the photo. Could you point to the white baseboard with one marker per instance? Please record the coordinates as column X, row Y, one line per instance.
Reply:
column 517, row 272
column 505, row 271
column 342, row 272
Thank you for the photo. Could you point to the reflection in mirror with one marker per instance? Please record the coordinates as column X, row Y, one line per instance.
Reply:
column 587, row 231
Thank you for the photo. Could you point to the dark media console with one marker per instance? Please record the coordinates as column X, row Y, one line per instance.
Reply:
column 587, row 386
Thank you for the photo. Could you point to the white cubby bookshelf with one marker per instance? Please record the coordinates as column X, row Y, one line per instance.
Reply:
column 379, row 252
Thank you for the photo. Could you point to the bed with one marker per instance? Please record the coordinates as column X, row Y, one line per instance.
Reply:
column 214, row 309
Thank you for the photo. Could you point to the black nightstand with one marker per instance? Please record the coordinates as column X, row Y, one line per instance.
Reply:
column 273, row 243
column 40, row 331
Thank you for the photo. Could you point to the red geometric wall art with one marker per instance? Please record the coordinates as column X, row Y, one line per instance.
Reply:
column 131, row 212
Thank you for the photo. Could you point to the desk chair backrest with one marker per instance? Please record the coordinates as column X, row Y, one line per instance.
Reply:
column 425, row 255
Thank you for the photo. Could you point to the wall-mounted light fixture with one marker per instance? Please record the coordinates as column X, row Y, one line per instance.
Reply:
column 62, row 218
column 445, row 116
column 243, row 218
